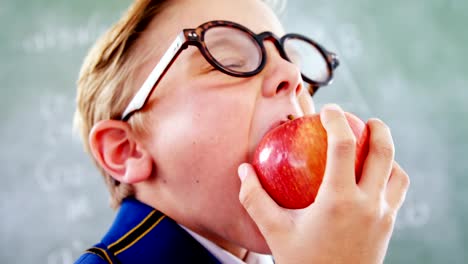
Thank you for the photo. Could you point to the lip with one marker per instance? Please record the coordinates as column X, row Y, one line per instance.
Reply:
column 280, row 122
column 275, row 125
column 261, row 136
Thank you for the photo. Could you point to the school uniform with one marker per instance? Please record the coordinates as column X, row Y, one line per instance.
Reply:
column 141, row 234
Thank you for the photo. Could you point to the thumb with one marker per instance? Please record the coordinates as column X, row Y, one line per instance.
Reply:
column 266, row 213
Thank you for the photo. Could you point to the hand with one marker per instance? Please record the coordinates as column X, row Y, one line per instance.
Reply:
column 348, row 222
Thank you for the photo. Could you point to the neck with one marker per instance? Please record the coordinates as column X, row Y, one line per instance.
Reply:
column 237, row 251
column 230, row 247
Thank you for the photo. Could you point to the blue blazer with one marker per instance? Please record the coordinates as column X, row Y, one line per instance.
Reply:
column 141, row 234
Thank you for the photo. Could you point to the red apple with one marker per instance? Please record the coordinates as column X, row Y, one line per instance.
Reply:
column 290, row 160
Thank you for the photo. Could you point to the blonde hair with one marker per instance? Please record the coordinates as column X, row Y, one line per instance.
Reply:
column 105, row 84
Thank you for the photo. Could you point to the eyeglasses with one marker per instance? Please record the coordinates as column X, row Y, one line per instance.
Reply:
column 235, row 50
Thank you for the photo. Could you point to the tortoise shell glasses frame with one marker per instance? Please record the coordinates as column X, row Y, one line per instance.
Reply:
column 242, row 67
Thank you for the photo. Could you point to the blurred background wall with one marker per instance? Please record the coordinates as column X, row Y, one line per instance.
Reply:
column 402, row 61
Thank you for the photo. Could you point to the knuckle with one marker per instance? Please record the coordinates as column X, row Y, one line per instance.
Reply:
column 343, row 146
column 371, row 215
column 337, row 210
column 402, row 178
column 248, row 196
column 272, row 227
column 378, row 213
column 381, row 142
column 383, row 149
column 388, row 221
column 405, row 180
column 342, row 206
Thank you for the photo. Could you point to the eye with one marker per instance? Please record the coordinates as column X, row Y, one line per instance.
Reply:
column 231, row 62
column 208, row 69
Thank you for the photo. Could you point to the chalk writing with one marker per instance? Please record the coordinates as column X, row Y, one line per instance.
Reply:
column 51, row 175
column 412, row 77
column 78, row 208
column 59, row 37
column 65, row 255
column 55, row 112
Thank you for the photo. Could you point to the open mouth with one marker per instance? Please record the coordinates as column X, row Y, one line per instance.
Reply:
column 279, row 123
column 273, row 126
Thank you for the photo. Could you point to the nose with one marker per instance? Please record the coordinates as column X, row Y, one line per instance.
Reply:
column 280, row 75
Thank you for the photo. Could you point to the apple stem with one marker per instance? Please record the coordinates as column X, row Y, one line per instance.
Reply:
column 290, row 117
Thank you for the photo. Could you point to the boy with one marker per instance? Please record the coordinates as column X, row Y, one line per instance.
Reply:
column 172, row 102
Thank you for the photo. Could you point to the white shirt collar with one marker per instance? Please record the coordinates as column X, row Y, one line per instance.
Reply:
column 226, row 257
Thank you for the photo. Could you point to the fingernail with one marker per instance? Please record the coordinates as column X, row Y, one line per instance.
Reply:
column 242, row 171
column 333, row 107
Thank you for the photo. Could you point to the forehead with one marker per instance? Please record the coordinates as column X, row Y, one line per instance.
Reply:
column 180, row 14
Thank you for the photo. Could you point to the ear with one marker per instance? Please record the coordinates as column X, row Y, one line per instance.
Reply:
column 114, row 147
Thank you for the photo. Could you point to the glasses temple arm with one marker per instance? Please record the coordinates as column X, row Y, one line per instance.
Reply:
column 143, row 94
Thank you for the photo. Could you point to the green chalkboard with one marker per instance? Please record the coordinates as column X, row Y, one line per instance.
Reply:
column 402, row 61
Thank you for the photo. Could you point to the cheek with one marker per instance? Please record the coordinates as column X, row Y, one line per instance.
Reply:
column 197, row 149
column 204, row 139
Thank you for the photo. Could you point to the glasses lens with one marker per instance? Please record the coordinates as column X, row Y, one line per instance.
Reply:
column 308, row 58
column 233, row 49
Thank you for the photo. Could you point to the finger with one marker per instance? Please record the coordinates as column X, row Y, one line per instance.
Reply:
column 378, row 164
column 268, row 215
column 397, row 187
column 341, row 152
column 306, row 103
